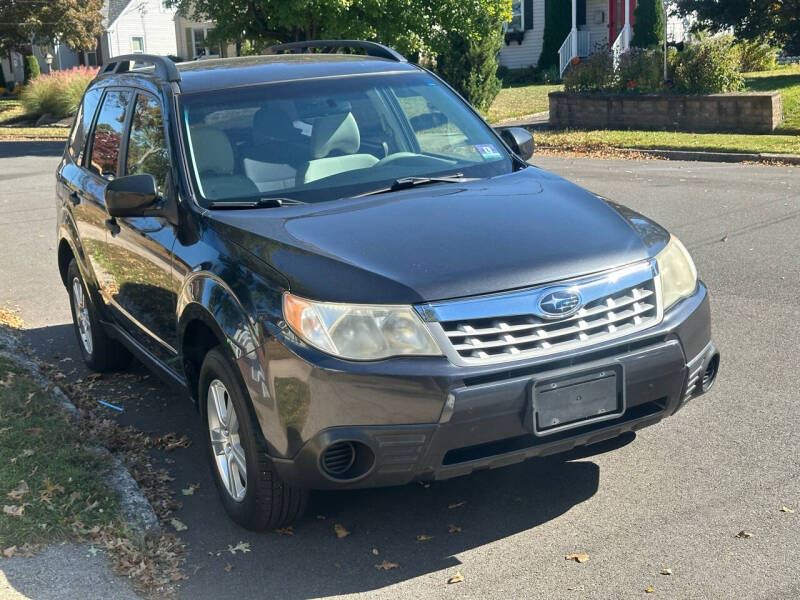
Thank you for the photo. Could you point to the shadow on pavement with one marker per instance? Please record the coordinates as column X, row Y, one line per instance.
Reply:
column 31, row 148
column 312, row 561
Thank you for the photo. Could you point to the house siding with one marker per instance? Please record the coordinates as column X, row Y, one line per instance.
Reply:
column 595, row 11
column 147, row 19
column 517, row 56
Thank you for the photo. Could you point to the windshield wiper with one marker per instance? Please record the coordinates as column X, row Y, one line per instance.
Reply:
column 405, row 183
column 260, row 203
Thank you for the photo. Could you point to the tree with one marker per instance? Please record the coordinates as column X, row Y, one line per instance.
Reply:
column 648, row 30
column 778, row 21
column 31, row 68
column 430, row 28
column 557, row 24
column 73, row 22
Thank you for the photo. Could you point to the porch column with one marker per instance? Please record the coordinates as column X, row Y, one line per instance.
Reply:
column 627, row 23
column 574, row 33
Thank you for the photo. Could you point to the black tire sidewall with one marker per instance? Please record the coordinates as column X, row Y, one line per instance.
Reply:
column 217, row 366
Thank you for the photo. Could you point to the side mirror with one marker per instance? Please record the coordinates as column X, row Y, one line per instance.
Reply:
column 131, row 196
column 520, row 141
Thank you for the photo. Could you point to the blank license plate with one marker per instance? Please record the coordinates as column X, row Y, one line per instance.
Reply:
column 577, row 401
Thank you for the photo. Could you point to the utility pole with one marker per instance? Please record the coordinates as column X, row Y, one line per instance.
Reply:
column 664, row 6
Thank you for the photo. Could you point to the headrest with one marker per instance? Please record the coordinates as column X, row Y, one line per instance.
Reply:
column 273, row 122
column 335, row 132
column 212, row 151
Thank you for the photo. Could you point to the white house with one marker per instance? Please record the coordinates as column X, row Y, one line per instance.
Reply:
column 595, row 25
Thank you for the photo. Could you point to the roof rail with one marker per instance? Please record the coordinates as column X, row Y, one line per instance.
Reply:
column 163, row 66
column 371, row 48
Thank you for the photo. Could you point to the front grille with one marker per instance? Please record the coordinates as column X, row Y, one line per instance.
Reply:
column 616, row 312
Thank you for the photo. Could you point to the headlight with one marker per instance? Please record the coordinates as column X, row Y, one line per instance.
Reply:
column 358, row 331
column 677, row 271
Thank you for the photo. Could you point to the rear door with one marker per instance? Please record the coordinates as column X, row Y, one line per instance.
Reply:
column 141, row 294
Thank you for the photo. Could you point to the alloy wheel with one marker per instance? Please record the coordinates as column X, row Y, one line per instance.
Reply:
column 82, row 315
column 223, row 427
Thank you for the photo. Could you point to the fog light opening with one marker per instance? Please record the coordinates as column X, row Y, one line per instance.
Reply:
column 346, row 460
column 710, row 374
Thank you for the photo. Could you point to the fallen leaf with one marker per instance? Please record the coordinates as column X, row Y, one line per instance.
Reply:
column 228, row 567
column 457, row 578
column 424, row 538
column 27, row 452
column 34, row 431
column 375, row 551
column 93, row 551
column 579, row 558
column 288, row 530
column 453, row 528
column 666, row 571
column 744, row 534
column 94, row 376
column 649, row 590
column 386, row 565
column 786, row 509
column 178, row 525
column 240, row 547
column 457, row 504
column 13, row 510
column 341, row 532
column 188, row 491
column 724, row 238
column 9, row 552
column 19, row 492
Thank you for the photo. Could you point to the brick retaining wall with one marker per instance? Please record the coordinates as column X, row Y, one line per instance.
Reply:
column 750, row 112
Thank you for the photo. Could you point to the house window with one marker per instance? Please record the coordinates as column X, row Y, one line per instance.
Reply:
column 200, row 46
column 137, row 44
column 90, row 59
column 517, row 16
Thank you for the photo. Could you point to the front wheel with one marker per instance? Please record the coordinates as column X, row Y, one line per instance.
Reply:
column 253, row 494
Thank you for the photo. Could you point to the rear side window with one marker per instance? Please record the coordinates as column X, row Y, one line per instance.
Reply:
column 107, row 136
column 147, row 146
column 83, row 122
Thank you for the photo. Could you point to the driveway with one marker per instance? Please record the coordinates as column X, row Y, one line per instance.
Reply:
column 673, row 498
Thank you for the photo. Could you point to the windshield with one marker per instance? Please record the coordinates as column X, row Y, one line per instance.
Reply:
column 317, row 140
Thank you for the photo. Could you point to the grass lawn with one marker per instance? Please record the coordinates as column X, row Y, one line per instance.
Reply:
column 518, row 101
column 12, row 109
column 523, row 100
column 51, row 485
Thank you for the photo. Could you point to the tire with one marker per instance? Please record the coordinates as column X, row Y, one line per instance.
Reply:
column 262, row 500
column 100, row 351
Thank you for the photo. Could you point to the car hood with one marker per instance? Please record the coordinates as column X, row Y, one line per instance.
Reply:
column 443, row 241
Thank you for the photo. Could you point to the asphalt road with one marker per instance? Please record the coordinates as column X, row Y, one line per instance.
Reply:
column 673, row 498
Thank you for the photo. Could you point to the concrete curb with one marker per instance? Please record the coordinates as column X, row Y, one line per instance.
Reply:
column 693, row 155
column 136, row 509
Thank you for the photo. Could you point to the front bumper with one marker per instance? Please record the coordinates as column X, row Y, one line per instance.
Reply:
column 427, row 419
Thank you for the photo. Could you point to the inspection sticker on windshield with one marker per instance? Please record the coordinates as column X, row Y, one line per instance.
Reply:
column 487, row 151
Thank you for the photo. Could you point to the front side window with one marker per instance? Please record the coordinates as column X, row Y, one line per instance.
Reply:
column 323, row 139
column 108, row 134
column 147, row 147
column 83, row 122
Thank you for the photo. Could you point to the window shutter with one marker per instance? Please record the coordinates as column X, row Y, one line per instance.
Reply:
column 189, row 46
column 527, row 13
column 580, row 16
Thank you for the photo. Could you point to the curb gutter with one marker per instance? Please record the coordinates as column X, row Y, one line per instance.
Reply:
column 694, row 155
column 136, row 509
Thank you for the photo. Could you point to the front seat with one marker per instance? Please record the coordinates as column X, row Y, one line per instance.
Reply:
column 338, row 135
column 277, row 149
column 215, row 164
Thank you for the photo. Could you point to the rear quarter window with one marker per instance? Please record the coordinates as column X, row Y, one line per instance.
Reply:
column 83, row 122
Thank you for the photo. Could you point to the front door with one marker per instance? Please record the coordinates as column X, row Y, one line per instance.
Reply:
column 139, row 250
column 616, row 18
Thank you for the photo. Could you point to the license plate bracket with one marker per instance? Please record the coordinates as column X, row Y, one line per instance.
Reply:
column 571, row 401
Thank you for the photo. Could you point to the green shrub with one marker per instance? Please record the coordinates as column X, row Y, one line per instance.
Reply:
column 756, row 56
column 557, row 24
column 469, row 64
column 592, row 74
column 58, row 93
column 648, row 29
column 641, row 71
column 31, row 68
column 2, row 79
column 524, row 76
column 708, row 67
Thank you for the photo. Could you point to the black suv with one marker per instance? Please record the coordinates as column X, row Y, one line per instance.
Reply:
column 358, row 281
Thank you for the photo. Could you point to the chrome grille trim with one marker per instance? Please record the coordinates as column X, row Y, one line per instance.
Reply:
column 510, row 326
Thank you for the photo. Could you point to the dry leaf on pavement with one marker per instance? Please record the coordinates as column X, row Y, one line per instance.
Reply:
column 744, row 534
column 453, row 528
column 288, row 530
column 386, row 565
column 423, row 538
column 375, row 552
column 9, row 552
column 457, row 504
column 666, row 571
column 178, row 525
column 341, row 532
column 649, row 590
column 19, row 492
column 228, row 567
column 240, row 547
column 457, row 578
column 786, row 509
column 579, row 558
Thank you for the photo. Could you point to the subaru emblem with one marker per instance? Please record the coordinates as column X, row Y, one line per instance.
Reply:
column 559, row 304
